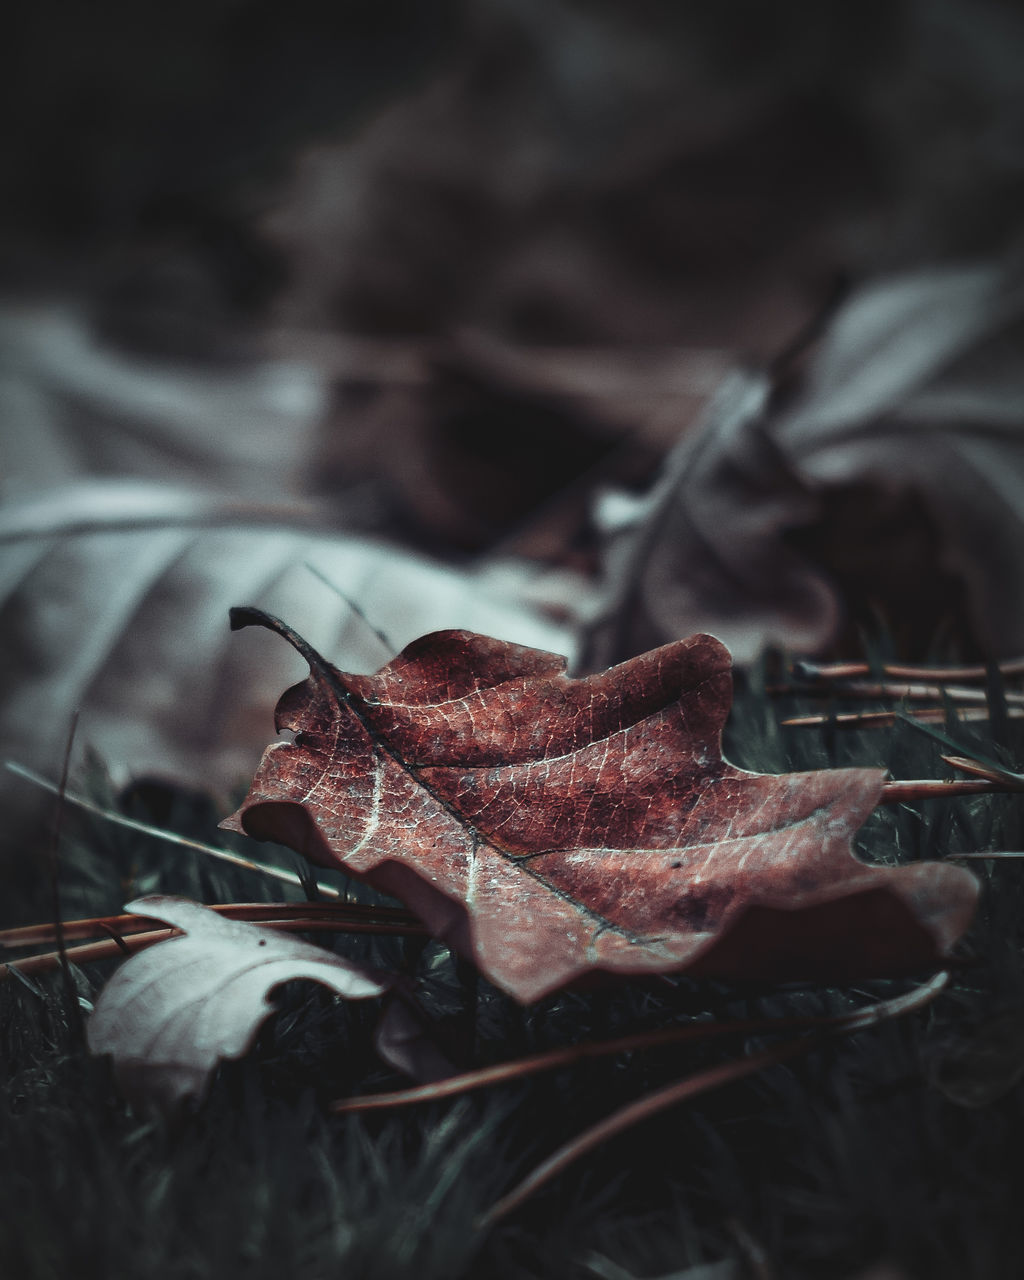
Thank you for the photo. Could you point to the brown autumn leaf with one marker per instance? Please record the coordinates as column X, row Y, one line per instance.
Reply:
column 172, row 1012
column 550, row 827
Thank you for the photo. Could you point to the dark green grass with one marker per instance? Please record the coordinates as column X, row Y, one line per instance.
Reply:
column 849, row 1155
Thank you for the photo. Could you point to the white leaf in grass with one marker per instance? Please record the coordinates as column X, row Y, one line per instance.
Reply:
column 171, row 1013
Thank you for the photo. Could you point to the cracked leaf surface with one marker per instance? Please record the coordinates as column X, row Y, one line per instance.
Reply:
column 548, row 826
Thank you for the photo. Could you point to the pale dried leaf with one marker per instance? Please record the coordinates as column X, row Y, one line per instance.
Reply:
column 73, row 409
column 171, row 1013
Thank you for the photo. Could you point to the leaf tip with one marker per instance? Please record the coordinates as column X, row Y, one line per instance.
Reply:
column 247, row 615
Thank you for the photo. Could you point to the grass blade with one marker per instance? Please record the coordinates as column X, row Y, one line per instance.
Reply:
column 170, row 837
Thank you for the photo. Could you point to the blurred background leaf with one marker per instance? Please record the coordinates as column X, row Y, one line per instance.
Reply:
column 404, row 289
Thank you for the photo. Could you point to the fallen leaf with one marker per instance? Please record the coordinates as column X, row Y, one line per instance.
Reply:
column 172, row 1012
column 894, row 475
column 550, row 827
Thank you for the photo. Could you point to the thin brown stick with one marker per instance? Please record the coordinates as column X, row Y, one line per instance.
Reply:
column 252, row 912
column 885, row 719
column 847, row 670
column 638, row 1111
column 138, row 941
column 935, row 788
column 702, row 1082
column 994, row 773
column 89, row 951
column 70, row 990
column 909, row 692
column 519, row 1068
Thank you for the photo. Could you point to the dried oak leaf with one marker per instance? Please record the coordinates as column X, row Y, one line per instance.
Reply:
column 549, row 827
column 171, row 1013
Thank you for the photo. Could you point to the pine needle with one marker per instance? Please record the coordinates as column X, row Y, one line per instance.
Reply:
column 519, row 1068
column 804, row 670
column 137, row 940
